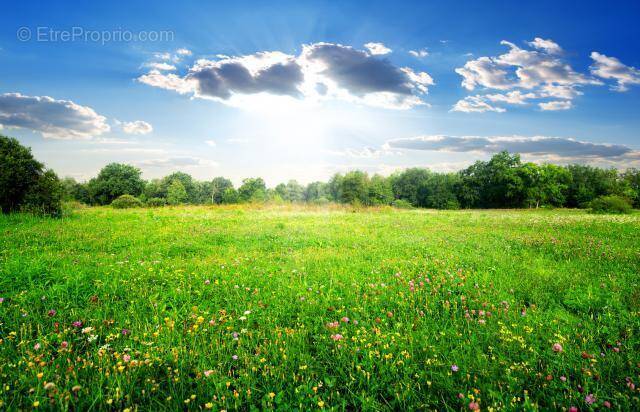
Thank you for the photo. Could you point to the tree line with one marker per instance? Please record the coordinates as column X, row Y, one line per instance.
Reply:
column 504, row 181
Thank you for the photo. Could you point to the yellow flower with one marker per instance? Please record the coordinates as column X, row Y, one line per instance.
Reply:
column 321, row 404
column 272, row 395
column 208, row 405
column 36, row 404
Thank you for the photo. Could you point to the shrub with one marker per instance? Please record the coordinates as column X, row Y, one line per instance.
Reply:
column 610, row 204
column 156, row 202
column 44, row 197
column 126, row 202
column 401, row 204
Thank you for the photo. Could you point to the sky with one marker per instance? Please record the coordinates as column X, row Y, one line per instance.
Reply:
column 303, row 90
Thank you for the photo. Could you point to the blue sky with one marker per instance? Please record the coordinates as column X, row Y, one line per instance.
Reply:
column 291, row 90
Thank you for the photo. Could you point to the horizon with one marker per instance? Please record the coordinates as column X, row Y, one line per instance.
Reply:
column 298, row 93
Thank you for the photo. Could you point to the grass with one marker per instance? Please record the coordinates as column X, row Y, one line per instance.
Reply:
column 306, row 308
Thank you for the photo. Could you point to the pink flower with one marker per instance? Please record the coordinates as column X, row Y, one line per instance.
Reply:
column 234, row 357
column 455, row 368
column 563, row 378
column 332, row 325
column 126, row 358
column 64, row 344
column 1, row 300
column 51, row 313
column 77, row 324
column 125, row 332
column 345, row 319
column 556, row 347
column 36, row 346
column 206, row 282
column 474, row 406
column 235, row 335
column 337, row 337
column 212, row 322
column 590, row 399
column 208, row 373
column 607, row 404
column 573, row 409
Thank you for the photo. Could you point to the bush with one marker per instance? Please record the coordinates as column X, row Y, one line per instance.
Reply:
column 126, row 202
column 44, row 197
column 401, row 204
column 610, row 204
column 156, row 202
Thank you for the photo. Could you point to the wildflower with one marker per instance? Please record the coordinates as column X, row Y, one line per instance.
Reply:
column 247, row 312
column 590, row 399
column 1, row 300
column 234, row 357
column 64, row 344
column 332, row 325
column 607, row 404
column 206, row 282
column 235, row 335
column 36, row 346
column 49, row 385
column 345, row 319
column 573, row 409
column 563, row 378
column 474, row 406
column 208, row 405
column 51, row 313
column 36, row 404
column 86, row 330
column 389, row 314
column 76, row 388
column 556, row 347
column 272, row 395
column 337, row 337
column 126, row 358
column 125, row 332
column 455, row 368
column 77, row 324
column 321, row 404
column 208, row 373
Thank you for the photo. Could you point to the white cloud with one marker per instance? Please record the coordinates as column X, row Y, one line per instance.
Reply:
column 167, row 81
column 541, row 72
column 56, row 119
column 560, row 147
column 514, row 97
column 549, row 46
column 475, row 104
column 137, row 127
column 556, row 105
column 377, row 48
column 419, row 53
column 183, row 52
column 211, row 143
column 611, row 68
column 161, row 66
column 176, row 162
column 322, row 71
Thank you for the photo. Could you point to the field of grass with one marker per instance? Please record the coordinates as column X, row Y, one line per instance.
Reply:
column 302, row 308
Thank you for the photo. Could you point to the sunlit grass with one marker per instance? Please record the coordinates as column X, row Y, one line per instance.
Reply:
column 302, row 307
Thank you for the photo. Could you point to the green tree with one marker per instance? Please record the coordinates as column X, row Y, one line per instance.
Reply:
column 19, row 171
column 176, row 193
column 45, row 195
column 334, row 187
column 355, row 187
column 114, row 180
column 316, row 191
column 632, row 179
column 438, row 192
column 379, row 191
column 253, row 190
column 187, row 182
column 218, row 187
column 406, row 183
column 229, row 196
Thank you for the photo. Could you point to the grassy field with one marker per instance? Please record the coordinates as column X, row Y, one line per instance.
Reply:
column 303, row 308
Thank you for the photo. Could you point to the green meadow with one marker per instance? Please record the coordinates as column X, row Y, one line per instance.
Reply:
column 302, row 308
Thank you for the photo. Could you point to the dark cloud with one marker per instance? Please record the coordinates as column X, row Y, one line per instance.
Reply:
column 224, row 78
column 357, row 71
column 539, row 145
column 58, row 119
